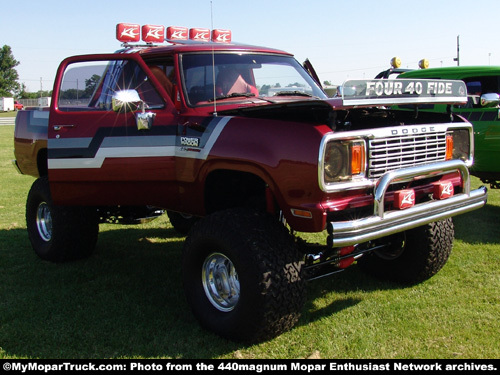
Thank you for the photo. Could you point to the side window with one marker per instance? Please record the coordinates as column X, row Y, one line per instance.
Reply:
column 90, row 85
column 474, row 90
column 163, row 70
column 477, row 86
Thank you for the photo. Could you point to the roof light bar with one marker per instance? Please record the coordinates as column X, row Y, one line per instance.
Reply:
column 153, row 34
column 221, row 36
column 128, row 32
column 177, row 33
column 202, row 35
column 131, row 33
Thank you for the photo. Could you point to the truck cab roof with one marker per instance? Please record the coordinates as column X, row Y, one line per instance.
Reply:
column 199, row 47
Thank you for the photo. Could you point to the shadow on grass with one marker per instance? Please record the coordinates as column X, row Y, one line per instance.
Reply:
column 353, row 279
column 479, row 226
column 126, row 300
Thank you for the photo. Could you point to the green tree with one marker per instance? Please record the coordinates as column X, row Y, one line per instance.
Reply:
column 91, row 84
column 8, row 73
column 23, row 94
column 264, row 90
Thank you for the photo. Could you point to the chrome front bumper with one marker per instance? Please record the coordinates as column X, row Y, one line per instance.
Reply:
column 383, row 223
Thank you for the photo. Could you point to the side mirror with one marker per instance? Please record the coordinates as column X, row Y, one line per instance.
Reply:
column 490, row 100
column 129, row 101
column 126, row 101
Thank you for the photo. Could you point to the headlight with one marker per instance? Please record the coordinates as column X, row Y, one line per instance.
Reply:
column 458, row 145
column 344, row 160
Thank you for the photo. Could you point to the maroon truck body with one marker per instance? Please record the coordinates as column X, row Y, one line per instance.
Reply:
column 130, row 138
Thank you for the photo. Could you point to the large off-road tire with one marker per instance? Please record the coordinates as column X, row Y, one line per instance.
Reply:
column 414, row 256
column 242, row 275
column 59, row 233
column 182, row 223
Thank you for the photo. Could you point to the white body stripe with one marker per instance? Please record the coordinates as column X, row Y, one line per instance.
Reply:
column 116, row 152
column 71, row 142
column 203, row 153
column 134, row 147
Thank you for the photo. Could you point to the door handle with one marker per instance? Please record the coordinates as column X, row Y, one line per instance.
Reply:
column 59, row 127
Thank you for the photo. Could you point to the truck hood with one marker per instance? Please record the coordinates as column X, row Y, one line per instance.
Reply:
column 366, row 105
column 310, row 111
column 381, row 93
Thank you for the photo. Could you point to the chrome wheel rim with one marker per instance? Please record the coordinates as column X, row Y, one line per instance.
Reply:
column 220, row 282
column 44, row 222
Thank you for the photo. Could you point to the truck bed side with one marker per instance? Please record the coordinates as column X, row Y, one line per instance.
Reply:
column 30, row 142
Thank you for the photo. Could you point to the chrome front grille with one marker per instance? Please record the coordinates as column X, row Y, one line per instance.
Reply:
column 403, row 151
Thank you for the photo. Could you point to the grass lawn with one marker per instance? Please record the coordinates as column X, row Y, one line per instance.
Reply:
column 126, row 300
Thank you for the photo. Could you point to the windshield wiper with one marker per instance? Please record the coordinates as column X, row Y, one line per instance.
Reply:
column 233, row 95
column 292, row 93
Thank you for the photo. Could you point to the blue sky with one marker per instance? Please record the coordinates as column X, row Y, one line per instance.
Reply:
column 342, row 38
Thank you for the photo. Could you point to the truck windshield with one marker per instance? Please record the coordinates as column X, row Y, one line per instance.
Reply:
column 229, row 76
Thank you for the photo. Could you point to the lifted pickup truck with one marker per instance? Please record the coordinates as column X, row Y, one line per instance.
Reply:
column 243, row 149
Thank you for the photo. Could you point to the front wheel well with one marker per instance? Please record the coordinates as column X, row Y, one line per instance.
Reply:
column 226, row 189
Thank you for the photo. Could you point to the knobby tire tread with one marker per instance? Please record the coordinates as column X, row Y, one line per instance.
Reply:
column 268, row 260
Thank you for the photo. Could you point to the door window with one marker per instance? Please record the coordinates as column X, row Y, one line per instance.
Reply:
column 90, row 85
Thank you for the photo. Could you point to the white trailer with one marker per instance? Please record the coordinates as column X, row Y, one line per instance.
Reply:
column 44, row 101
column 6, row 104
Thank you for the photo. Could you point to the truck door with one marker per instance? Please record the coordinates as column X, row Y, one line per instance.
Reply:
column 97, row 155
